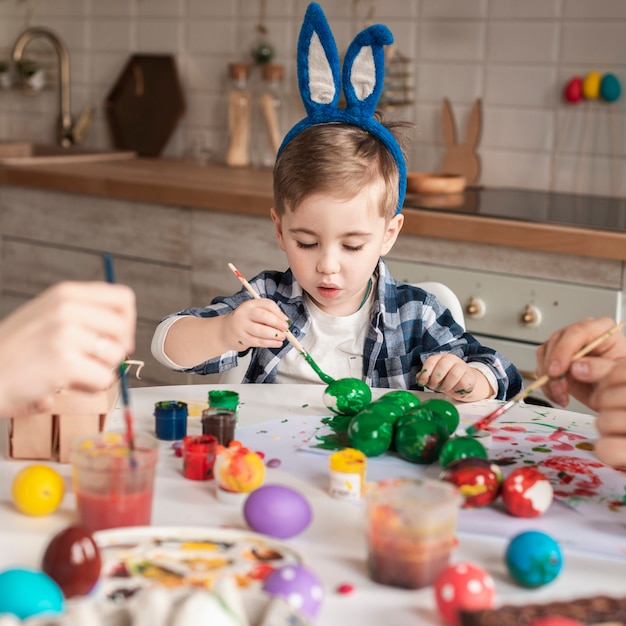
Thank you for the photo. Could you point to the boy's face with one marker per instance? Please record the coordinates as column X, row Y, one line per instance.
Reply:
column 333, row 246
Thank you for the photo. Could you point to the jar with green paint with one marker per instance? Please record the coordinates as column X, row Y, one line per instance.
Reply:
column 224, row 399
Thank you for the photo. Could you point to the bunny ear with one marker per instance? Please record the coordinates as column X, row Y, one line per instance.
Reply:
column 364, row 70
column 318, row 63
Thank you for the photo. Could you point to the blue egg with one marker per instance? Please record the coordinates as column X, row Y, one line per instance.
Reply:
column 533, row 558
column 25, row 592
column 610, row 88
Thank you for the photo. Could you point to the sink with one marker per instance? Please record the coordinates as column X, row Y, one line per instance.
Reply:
column 28, row 153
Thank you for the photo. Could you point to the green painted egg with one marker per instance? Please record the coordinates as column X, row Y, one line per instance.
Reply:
column 420, row 440
column 461, row 448
column 347, row 396
column 446, row 409
column 405, row 400
column 369, row 434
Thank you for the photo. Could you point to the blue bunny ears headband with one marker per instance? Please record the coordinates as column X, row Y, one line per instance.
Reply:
column 362, row 81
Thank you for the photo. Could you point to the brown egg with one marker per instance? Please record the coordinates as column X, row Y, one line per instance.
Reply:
column 72, row 560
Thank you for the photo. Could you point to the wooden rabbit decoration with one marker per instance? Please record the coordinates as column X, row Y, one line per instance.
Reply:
column 462, row 158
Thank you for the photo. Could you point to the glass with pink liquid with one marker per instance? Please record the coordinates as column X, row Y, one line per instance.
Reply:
column 411, row 525
column 113, row 486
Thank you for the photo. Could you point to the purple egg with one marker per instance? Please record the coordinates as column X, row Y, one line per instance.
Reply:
column 277, row 511
column 298, row 586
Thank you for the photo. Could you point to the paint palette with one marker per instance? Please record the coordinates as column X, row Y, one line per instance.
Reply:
column 176, row 557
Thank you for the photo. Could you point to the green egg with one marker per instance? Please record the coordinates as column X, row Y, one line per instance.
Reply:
column 369, row 434
column 403, row 399
column 347, row 396
column 420, row 440
column 461, row 448
column 446, row 409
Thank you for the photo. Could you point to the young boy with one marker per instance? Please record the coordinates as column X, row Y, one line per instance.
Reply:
column 339, row 185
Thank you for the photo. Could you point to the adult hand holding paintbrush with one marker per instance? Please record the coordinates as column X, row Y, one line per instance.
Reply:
column 589, row 348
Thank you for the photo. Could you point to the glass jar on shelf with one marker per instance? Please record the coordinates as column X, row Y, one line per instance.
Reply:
column 268, row 116
column 239, row 113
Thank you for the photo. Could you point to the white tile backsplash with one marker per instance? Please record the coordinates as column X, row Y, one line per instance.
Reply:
column 516, row 55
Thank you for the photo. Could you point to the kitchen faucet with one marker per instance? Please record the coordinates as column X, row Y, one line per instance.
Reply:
column 68, row 133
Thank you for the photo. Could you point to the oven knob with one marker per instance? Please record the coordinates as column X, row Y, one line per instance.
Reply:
column 476, row 308
column 531, row 316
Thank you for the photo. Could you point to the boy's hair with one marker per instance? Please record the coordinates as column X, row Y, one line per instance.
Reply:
column 339, row 160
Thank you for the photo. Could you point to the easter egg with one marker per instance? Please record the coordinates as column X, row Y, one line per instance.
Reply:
column 298, row 586
column 277, row 511
column 404, row 400
column 37, row 490
column 591, row 85
column 478, row 480
column 72, row 560
column 445, row 410
column 461, row 448
column 556, row 620
column 239, row 469
column 610, row 88
column 533, row 558
column 25, row 592
column 420, row 440
column 347, row 396
column 526, row 492
column 573, row 91
column 463, row 586
column 370, row 433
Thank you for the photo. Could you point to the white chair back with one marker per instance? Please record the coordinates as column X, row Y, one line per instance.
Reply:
column 447, row 297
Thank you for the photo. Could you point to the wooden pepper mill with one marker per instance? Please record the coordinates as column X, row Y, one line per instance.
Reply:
column 239, row 106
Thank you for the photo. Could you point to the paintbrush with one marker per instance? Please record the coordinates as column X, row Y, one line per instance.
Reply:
column 128, row 417
column 485, row 421
column 290, row 338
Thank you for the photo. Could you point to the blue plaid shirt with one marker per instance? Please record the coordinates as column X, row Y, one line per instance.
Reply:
column 406, row 327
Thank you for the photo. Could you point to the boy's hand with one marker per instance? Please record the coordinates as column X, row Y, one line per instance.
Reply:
column 610, row 399
column 255, row 324
column 451, row 375
column 554, row 358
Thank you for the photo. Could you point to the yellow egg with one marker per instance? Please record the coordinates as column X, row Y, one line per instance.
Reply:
column 37, row 490
column 591, row 85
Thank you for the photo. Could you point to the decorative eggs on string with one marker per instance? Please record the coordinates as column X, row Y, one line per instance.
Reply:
column 610, row 88
column 573, row 91
column 593, row 86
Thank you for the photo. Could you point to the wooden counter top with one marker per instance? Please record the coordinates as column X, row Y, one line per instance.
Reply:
column 214, row 187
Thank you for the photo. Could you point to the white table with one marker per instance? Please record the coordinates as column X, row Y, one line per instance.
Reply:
column 333, row 545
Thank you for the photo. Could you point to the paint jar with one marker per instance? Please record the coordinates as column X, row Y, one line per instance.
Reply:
column 224, row 399
column 410, row 530
column 113, row 485
column 347, row 474
column 199, row 454
column 220, row 423
column 170, row 420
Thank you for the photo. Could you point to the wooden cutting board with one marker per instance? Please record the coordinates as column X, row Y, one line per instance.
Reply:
column 145, row 104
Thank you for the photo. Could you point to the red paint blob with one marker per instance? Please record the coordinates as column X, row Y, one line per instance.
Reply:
column 345, row 588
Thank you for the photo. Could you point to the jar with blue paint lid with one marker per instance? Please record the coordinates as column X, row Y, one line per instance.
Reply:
column 170, row 419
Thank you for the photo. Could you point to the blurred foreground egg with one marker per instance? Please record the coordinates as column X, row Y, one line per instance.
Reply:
column 463, row 586
column 277, row 511
column 298, row 586
column 72, row 560
column 533, row 558
column 25, row 592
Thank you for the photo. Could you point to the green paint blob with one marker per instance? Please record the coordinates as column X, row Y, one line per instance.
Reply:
column 541, row 449
column 347, row 396
column 419, row 440
column 461, row 448
column 334, row 441
column 325, row 378
column 446, row 410
column 338, row 423
column 369, row 434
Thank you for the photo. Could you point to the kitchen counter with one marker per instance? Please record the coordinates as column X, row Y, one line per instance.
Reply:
column 248, row 191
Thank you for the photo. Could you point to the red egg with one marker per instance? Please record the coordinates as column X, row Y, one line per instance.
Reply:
column 526, row 492
column 72, row 560
column 573, row 91
column 478, row 480
column 556, row 620
column 463, row 586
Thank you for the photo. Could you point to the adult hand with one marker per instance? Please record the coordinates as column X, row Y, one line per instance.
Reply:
column 610, row 399
column 71, row 336
column 578, row 379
